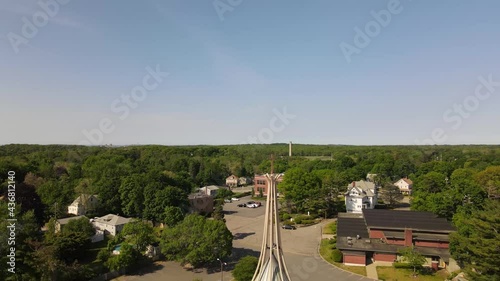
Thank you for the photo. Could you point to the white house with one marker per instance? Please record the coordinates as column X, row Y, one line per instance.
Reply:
column 405, row 185
column 232, row 181
column 209, row 190
column 110, row 223
column 83, row 204
column 244, row 181
column 360, row 195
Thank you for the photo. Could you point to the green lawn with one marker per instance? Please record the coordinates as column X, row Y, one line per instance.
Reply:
column 330, row 228
column 389, row 273
column 325, row 251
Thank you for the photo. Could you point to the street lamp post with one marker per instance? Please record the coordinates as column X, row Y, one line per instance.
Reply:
column 221, row 269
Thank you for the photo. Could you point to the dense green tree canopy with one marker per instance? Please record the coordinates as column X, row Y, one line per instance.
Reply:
column 197, row 240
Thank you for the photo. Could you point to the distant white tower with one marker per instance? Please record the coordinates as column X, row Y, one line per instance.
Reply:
column 271, row 265
column 290, row 149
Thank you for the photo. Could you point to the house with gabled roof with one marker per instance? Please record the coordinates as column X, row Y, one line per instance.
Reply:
column 110, row 223
column 360, row 195
column 232, row 181
column 83, row 204
column 405, row 185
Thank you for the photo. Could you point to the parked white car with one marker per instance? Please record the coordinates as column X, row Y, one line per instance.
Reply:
column 235, row 199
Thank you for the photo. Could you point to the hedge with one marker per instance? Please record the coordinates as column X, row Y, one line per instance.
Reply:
column 337, row 255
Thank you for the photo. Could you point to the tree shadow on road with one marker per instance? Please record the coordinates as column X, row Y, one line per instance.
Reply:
column 239, row 235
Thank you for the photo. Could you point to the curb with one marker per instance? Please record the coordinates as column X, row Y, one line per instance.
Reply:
column 319, row 253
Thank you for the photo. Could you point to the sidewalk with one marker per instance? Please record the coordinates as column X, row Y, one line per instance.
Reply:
column 371, row 271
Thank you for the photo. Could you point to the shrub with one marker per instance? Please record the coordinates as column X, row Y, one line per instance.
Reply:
column 332, row 241
column 245, row 268
column 308, row 221
column 298, row 220
column 333, row 228
column 285, row 216
column 337, row 255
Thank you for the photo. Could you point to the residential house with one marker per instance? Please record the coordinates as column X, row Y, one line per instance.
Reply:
column 244, row 181
column 360, row 195
column 83, row 204
column 209, row 190
column 60, row 223
column 405, row 185
column 379, row 235
column 110, row 223
column 201, row 203
column 260, row 183
column 232, row 181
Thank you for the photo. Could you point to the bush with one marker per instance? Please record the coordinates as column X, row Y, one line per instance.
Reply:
column 243, row 194
column 308, row 222
column 298, row 220
column 285, row 216
column 337, row 255
column 332, row 241
column 245, row 268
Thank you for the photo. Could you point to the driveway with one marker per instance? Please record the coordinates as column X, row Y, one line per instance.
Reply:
column 300, row 249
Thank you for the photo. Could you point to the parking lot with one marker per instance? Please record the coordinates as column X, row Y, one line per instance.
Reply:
column 300, row 248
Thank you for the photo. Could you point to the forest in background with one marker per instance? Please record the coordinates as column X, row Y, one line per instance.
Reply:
column 459, row 183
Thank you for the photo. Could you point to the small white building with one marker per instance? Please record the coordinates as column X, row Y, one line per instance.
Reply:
column 209, row 190
column 360, row 195
column 244, row 181
column 405, row 185
column 83, row 204
column 232, row 181
column 110, row 223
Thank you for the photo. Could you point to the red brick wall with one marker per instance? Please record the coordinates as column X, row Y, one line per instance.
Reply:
column 355, row 259
column 436, row 244
column 384, row 257
column 408, row 237
column 395, row 241
column 374, row 233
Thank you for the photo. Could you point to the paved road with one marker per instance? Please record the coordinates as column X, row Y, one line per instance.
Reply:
column 300, row 247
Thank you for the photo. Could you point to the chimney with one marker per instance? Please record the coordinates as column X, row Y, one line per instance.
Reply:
column 353, row 184
column 408, row 237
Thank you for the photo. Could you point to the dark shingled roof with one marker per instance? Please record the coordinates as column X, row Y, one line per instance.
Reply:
column 392, row 219
column 351, row 226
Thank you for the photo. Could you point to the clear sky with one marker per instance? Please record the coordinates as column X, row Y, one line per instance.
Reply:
column 231, row 70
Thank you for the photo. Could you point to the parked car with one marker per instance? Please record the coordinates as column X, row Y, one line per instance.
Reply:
column 235, row 199
column 287, row 226
column 242, row 205
column 227, row 201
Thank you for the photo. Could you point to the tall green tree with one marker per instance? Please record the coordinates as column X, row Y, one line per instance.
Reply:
column 476, row 243
column 413, row 258
column 197, row 240
column 138, row 233
column 391, row 195
column 299, row 186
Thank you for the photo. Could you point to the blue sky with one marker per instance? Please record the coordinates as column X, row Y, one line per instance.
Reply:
column 228, row 77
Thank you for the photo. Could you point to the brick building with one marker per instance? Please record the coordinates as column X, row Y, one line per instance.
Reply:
column 261, row 183
column 378, row 235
